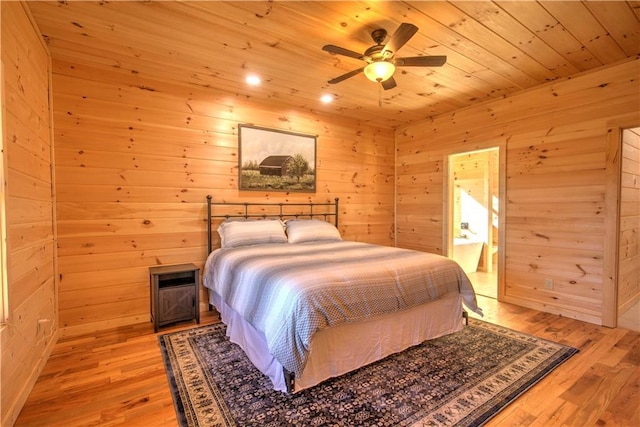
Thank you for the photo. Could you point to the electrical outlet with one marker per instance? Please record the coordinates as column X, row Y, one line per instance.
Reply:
column 548, row 283
column 464, row 225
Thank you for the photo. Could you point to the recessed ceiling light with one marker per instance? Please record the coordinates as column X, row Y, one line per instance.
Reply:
column 253, row 80
column 326, row 98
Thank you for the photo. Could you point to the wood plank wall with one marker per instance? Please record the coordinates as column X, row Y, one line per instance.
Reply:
column 555, row 137
column 27, row 157
column 135, row 159
column 629, row 251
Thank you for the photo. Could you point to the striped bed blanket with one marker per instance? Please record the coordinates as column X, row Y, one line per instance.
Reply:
column 290, row 291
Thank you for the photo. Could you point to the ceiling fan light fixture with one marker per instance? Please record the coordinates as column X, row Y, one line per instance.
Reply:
column 379, row 71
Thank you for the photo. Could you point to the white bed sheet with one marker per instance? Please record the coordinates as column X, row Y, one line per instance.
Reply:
column 288, row 292
column 333, row 353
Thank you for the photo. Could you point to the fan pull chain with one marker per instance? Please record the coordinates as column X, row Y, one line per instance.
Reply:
column 380, row 95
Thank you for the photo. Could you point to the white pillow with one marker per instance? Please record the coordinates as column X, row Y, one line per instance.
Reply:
column 310, row 230
column 235, row 233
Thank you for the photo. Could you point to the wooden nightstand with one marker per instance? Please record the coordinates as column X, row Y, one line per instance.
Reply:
column 174, row 294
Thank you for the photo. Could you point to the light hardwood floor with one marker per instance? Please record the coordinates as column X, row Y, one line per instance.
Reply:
column 118, row 378
column 486, row 284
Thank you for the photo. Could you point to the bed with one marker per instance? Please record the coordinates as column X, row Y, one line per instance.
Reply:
column 306, row 305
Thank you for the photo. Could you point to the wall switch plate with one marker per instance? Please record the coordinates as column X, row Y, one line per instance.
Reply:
column 548, row 283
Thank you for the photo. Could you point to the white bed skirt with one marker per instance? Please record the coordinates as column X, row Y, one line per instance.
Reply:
column 341, row 349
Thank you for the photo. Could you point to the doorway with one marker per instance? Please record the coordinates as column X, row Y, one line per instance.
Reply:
column 474, row 216
column 628, row 269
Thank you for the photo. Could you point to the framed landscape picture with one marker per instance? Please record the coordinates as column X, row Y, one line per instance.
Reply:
column 275, row 160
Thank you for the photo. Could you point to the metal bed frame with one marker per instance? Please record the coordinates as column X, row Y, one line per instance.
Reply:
column 305, row 211
column 330, row 211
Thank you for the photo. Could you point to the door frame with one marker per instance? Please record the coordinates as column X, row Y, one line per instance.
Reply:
column 447, row 214
column 611, row 249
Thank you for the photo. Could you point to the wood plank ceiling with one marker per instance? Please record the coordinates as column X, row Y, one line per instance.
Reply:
column 493, row 48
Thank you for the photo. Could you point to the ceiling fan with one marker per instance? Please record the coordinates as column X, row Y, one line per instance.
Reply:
column 381, row 60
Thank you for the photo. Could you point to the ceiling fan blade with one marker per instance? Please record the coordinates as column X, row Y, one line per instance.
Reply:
column 421, row 61
column 346, row 76
column 402, row 35
column 341, row 51
column 390, row 83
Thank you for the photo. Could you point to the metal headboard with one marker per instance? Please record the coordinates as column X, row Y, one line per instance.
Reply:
column 307, row 211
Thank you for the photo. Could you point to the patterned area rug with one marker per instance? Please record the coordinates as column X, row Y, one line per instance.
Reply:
column 462, row 379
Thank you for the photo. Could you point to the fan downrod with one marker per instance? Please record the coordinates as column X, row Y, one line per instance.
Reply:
column 379, row 35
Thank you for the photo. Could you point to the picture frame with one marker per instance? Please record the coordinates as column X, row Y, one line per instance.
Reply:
column 276, row 160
